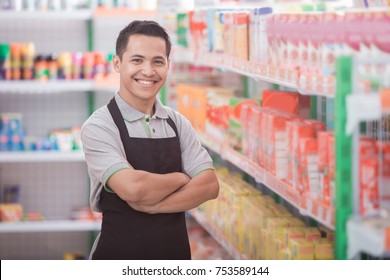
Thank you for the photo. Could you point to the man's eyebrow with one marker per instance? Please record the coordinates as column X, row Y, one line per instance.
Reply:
column 141, row 56
column 137, row 56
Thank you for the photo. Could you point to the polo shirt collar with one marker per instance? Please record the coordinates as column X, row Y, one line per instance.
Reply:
column 130, row 114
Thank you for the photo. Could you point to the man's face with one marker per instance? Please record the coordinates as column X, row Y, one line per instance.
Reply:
column 143, row 68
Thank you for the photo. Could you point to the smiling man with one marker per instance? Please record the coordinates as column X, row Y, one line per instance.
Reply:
column 145, row 163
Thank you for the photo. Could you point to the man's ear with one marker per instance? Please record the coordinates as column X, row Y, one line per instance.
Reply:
column 116, row 63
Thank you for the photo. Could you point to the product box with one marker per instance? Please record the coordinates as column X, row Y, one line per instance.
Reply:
column 284, row 101
column 312, row 233
column 295, row 131
column 293, row 233
column 323, row 249
column 301, row 249
column 369, row 187
column 309, row 175
column 277, row 143
column 384, row 150
column 241, row 33
column 249, row 119
column 323, row 165
column 368, row 177
column 203, row 104
column 235, row 128
column 11, row 212
column 329, row 191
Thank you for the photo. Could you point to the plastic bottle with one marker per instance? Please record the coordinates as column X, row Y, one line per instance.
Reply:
column 87, row 65
column 41, row 69
column 263, row 14
column 16, row 61
column 5, row 63
column 52, row 66
column 109, row 69
column 76, row 65
column 65, row 66
column 28, row 53
column 98, row 66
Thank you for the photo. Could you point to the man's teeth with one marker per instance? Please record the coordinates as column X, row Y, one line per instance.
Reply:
column 145, row 82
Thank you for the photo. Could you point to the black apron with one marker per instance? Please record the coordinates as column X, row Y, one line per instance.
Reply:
column 128, row 234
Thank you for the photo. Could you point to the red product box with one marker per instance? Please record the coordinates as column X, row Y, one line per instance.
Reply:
column 309, row 182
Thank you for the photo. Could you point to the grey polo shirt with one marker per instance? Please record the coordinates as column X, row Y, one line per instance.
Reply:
column 104, row 151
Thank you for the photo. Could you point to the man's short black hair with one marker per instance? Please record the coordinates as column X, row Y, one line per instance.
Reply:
column 142, row 27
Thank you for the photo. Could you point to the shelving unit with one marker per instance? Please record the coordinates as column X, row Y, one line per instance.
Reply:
column 290, row 78
column 352, row 235
column 216, row 234
column 307, row 206
column 49, row 87
column 41, row 156
column 51, row 15
column 50, row 226
column 51, row 183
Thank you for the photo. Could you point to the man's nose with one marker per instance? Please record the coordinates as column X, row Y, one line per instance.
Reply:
column 148, row 69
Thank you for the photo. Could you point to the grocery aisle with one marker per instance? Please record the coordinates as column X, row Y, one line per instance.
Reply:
column 298, row 126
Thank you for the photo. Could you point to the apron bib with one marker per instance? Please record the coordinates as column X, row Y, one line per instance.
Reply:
column 132, row 235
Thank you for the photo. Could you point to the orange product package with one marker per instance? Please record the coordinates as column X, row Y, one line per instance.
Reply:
column 369, row 187
column 11, row 212
column 309, row 180
column 277, row 152
column 323, row 164
column 298, row 130
column 281, row 100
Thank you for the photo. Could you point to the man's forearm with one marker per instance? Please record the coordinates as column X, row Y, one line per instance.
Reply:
column 146, row 188
column 201, row 188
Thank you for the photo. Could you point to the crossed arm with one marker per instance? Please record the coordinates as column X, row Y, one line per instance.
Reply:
column 163, row 193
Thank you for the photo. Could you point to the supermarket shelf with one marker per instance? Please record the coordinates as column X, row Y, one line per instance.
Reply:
column 55, row 86
column 41, row 156
column 59, row 86
column 288, row 77
column 182, row 55
column 42, row 15
column 216, row 234
column 364, row 107
column 49, row 226
column 117, row 12
column 307, row 205
column 370, row 236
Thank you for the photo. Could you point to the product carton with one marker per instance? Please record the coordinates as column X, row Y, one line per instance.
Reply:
column 241, row 30
column 309, row 176
column 312, row 233
column 284, row 101
column 11, row 212
column 301, row 249
column 323, row 165
column 323, row 249
column 368, row 177
column 295, row 131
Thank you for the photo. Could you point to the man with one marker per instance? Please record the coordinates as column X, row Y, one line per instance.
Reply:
column 144, row 160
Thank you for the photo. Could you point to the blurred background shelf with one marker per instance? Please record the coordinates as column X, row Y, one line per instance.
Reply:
column 41, row 156
column 49, row 226
column 216, row 234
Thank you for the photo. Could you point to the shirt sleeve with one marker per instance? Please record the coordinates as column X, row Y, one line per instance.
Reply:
column 104, row 154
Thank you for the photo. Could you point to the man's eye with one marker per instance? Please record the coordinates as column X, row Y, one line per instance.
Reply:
column 159, row 62
column 137, row 60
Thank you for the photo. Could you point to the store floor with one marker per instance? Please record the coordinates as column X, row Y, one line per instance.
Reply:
column 203, row 246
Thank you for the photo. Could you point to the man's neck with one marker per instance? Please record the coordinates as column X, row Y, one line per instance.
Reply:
column 144, row 106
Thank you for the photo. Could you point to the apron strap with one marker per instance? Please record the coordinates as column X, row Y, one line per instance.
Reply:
column 118, row 119
column 120, row 123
